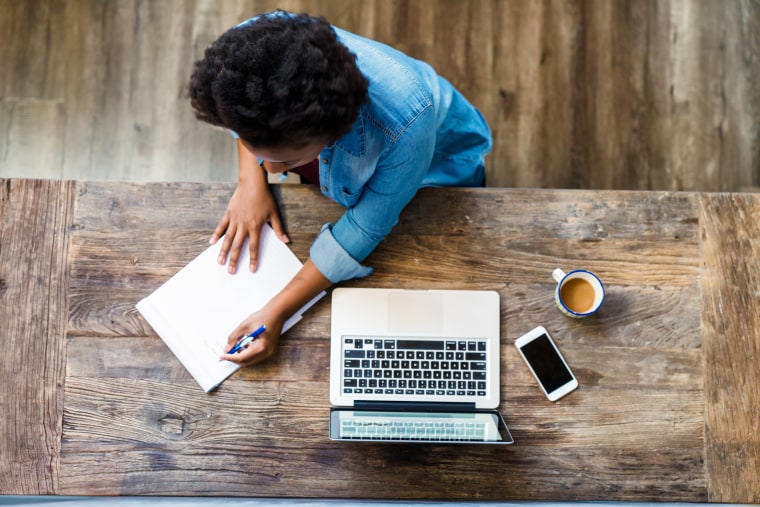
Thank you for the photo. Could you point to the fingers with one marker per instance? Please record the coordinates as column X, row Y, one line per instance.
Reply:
column 220, row 228
column 226, row 245
column 235, row 246
column 257, row 351
column 278, row 228
column 253, row 247
column 232, row 244
column 248, row 356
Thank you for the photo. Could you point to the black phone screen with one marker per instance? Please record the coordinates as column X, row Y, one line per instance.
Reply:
column 546, row 362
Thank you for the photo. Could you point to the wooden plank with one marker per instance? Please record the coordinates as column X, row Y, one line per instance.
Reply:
column 135, row 436
column 731, row 332
column 523, row 233
column 34, row 221
column 610, row 233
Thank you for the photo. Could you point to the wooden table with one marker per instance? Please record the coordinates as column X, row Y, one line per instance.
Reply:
column 93, row 403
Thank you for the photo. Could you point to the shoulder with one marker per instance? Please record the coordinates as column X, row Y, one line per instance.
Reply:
column 401, row 88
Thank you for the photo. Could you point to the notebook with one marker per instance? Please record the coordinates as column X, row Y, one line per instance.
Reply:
column 196, row 309
column 415, row 366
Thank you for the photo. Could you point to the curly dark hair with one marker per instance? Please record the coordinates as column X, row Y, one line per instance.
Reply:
column 282, row 80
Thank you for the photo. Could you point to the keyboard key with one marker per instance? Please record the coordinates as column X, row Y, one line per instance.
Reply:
column 419, row 344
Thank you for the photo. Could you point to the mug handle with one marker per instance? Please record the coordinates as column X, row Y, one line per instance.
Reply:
column 558, row 275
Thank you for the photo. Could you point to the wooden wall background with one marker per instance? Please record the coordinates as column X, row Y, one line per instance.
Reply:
column 620, row 94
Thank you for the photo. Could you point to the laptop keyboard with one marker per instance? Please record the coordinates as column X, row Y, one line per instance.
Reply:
column 414, row 366
column 412, row 430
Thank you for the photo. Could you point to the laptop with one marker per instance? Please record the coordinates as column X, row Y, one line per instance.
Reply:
column 415, row 366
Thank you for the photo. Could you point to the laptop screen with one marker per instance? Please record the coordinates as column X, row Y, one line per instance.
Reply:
column 410, row 426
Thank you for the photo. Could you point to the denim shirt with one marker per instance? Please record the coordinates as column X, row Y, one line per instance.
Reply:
column 415, row 131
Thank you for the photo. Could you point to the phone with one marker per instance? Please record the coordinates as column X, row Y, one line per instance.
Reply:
column 546, row 363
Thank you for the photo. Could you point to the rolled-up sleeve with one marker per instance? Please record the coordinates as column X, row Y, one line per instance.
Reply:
column 332, row 260
column 339, row 249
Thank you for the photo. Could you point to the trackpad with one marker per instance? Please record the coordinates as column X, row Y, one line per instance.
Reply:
column 415, row 312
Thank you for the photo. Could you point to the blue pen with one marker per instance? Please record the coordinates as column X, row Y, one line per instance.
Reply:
column 247, row 339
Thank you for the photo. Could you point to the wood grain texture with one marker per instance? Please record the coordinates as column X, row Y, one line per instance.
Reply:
column 666, row 408
column 731, row 334
column 623, row 94
column 34, row 218
column 136, row 423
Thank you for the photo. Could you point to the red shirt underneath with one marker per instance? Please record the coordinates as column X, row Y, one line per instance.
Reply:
column 309, row 172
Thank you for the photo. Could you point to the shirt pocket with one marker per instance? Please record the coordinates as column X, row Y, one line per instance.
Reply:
column 350, row 196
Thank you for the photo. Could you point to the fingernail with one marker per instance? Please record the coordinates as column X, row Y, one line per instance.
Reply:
column 231, row 269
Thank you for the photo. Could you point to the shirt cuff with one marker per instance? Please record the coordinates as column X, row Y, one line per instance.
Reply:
column 332, row 260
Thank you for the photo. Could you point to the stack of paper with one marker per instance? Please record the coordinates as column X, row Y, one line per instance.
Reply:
column 196, row 310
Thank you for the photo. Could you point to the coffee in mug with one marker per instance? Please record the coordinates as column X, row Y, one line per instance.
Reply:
column 579, row 293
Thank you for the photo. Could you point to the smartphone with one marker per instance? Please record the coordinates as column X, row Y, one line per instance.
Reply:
column 546, row 363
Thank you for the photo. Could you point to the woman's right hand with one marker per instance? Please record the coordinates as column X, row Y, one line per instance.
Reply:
column 251, row 206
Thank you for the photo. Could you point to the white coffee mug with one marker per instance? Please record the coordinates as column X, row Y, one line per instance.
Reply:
column 579, row 293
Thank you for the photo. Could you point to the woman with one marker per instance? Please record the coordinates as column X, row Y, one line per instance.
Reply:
column 365, row 122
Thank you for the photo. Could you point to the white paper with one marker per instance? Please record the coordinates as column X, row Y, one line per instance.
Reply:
column 196, row 310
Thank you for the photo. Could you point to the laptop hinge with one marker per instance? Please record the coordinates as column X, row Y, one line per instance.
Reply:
column 422, row 406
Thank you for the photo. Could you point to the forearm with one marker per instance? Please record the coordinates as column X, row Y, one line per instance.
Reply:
column 307, row 283
column 249, row 171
